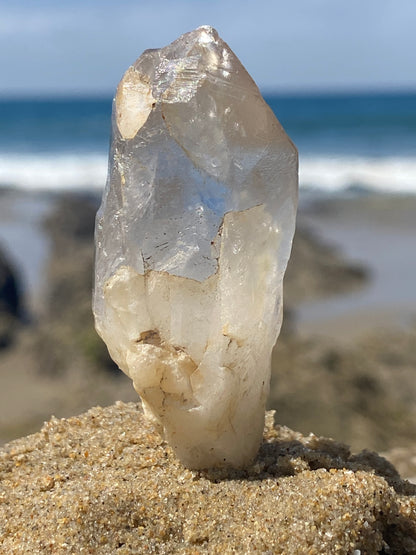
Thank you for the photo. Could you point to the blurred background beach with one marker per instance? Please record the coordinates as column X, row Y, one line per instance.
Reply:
column 341, row 80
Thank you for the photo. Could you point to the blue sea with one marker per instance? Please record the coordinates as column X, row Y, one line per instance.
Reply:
column 346, row 142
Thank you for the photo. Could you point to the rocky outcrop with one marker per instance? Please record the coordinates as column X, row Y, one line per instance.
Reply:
column 317, row 270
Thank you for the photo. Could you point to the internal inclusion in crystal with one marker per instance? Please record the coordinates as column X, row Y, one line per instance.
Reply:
column 193, row 238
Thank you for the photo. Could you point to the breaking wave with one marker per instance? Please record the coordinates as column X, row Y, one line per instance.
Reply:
column 53, row 172
column 323, row 173
column 337, row 174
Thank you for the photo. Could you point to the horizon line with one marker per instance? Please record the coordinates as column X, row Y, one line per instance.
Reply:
column 265, row 91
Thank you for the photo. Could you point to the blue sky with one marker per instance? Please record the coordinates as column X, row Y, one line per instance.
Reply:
column 84, row 46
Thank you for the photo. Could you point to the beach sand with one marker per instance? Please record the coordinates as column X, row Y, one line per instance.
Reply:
column 104, row 482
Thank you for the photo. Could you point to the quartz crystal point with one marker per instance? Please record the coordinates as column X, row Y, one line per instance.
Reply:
column 193, row 237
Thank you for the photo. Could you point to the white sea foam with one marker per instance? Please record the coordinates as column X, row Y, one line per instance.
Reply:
column 324, row 173
column 334, row 174
column 53, row 172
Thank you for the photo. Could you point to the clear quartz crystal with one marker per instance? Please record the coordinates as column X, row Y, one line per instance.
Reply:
column 193, row 237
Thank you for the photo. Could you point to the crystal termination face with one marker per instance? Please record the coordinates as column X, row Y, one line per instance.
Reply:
column 192, row 241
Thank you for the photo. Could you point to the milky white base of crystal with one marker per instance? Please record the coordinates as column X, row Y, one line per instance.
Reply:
column 199, row 352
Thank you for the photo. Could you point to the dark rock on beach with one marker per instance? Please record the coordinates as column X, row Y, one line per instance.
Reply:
column 10, row 301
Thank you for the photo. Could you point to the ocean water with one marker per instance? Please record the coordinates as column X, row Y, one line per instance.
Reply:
column 354, row 142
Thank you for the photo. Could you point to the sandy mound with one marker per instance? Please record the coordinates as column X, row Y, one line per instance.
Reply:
column 104, row 482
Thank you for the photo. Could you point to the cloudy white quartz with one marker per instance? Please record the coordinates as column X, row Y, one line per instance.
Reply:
column 193, row 238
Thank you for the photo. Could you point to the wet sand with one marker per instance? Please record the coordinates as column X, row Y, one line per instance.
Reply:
column 379, row 233
column 23, row 239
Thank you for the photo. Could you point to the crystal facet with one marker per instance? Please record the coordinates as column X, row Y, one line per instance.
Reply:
column 193, row 238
